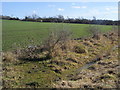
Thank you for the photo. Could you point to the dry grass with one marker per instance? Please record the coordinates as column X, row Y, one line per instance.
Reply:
column 58, row 43
column 9, row 57
column 66, row 55
column 102, row 74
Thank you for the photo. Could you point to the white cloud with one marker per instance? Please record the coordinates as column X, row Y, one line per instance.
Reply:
column 34, row 12
column 84, row 6
column 51, row 5
column 60, row 9
column 76, row 7
column 108, row 9
column 73, row 3
column 79, row 6
column 111, row 10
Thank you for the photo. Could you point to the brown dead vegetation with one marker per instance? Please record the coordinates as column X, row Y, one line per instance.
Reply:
column 102, row 74
column 64, row 53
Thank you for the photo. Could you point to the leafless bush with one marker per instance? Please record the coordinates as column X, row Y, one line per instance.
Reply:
column 95, row 31
column 115, row 28
column 53, row 45
column 56, row 42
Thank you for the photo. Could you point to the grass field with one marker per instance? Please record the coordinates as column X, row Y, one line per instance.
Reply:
column 31, row 68
column 21, row 33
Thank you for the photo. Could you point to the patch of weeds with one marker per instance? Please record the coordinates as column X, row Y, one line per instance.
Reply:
column 87, row 86
column 79, row 49
column 73, row 60
column 111, row 72
column 118, row 75
column 57, row 69
column 88, row 44
column 107, row 76
column 97, row 44
column 75, row 78
column 92, row 68
column 33, row 84
column 9, row 57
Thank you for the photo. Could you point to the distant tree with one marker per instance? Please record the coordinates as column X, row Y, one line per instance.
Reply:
column 8, row 17
column 60, row 18
column 34, row 16
column 5, row 17
column 94, row 20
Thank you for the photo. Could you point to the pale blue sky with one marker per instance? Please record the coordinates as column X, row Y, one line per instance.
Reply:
column 101, row 10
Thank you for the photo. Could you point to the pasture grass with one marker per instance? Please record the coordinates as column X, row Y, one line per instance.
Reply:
column 22, row 33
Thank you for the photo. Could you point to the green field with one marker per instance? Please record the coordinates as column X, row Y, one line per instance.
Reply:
column 21, row 33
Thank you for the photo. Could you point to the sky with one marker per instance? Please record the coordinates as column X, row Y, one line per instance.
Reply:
column 101, row 10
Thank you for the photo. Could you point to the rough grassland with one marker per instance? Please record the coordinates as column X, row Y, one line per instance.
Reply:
column 65, row 71
column 19, row 32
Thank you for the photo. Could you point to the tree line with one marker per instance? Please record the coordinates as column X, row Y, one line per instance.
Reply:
column 61, row 19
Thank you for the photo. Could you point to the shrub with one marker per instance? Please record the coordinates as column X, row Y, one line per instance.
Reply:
column 95, row 31
column 56, row 42
column 53, row 45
